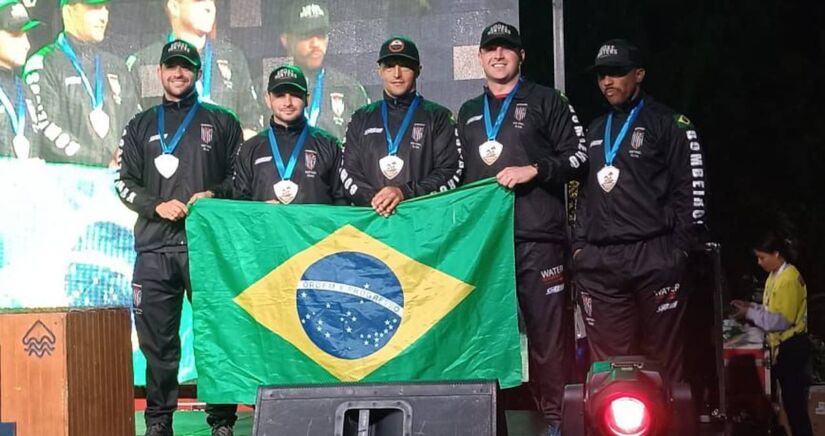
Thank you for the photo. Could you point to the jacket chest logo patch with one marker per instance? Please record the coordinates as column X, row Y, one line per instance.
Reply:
column 310, row 159
column 207, row 133
column 336, row 100
column 636, row 142
column 114, row 84
column 226, row 72
column 418, row 132
column 519, row 114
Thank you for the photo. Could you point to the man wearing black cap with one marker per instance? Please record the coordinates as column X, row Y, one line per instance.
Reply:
column 402, row 146
column 15, row 125
column 528, row 137
column 333, row 95
column 83, row 95
column 291, row 161
column 639, row 212
column 172, row 155
column 225, row 80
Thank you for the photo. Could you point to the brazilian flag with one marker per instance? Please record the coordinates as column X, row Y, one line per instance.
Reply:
column 322, row 294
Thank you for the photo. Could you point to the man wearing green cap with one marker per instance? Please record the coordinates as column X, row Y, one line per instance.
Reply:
column 172, row 155
column 225, row 80
column 402, row 146
column 83, row 95
column 15, row 125
column 291, row 161
column 333, row 95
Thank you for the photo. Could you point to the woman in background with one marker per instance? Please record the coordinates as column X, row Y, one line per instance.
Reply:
column 784, row 317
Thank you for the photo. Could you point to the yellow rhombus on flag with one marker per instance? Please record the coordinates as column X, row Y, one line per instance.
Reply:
column 426, row 295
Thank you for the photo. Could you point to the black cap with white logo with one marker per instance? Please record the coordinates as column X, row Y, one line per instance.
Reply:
column 617, row 53
column 305, row 18
column 400, row 48
column 500, row 33
column 180, row 49
column 287, row 78
column 15, row 18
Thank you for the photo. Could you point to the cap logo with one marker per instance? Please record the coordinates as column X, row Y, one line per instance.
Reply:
column 607, row 50
column 286, row 73
column 499, row 29
column 179, row 46
column 18, row 11
column 396, row 45
column 311, row 11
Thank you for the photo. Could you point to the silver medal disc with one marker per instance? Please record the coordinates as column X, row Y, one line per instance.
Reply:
column 166, row 165
column 608, row 177
column 100, row 122
column 490, row 151
column 21, row 146
column 285, row 191
column 391, row 166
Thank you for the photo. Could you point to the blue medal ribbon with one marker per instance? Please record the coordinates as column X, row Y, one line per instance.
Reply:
column 314, row 110
column 392, row 144
column 204, row 85
column 286, row 173
column 17, row 110
column 611, row 148
column 96, row 93
column 492, row 130
column 169, row 147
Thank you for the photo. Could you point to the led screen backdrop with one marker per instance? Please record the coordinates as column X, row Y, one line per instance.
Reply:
column 65, row 238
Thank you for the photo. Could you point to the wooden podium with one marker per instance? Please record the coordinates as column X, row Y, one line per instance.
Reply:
column 67, row 372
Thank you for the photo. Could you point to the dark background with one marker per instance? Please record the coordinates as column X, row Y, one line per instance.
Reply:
column 747, row 74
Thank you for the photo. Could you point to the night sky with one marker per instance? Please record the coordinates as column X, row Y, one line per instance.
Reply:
column 747, row 75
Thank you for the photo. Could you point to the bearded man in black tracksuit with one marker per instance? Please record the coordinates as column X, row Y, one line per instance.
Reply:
column 640, row 209
column 291, row 161
column 529, row 138
column 402, row 146
column 172, row 155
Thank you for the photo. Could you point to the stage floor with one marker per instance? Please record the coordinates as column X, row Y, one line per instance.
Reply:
column 519, row 423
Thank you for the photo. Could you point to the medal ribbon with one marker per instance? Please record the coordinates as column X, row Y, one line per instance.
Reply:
column 204, row 86
column 392, row 144
column 286, row 173
column 492, row 130
column 612, row 148
column 314, row 110
column 95, row 94
column 169, row 148
column 16, row 111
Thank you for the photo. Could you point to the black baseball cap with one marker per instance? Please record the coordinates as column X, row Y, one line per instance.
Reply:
column 180, row 49
column 88, row 2
column 500, row 33
column 15, row 18
column 305, row 18
column 617, row 54
column 287, row 78
column 401, row 48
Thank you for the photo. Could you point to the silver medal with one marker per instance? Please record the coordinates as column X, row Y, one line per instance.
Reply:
column 166, row 165
column 21, row 146
column 607, row 177
column 100, row 122
column 285, row 191
column 391, row 166
column 490, row 151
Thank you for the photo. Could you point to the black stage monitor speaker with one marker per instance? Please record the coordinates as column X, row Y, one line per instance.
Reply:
column 380, row 409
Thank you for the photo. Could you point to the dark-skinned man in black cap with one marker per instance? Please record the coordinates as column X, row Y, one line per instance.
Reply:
column 528, row 137
column 641, row 209
column 402, row 146
column 172, row 155
column 291, row 161
column 15, row 119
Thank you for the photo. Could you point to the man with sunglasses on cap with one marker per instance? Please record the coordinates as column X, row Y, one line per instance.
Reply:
column 333, row 95
column 225, row 81
column 402, row 146
column 640, row 210
column 83, row 95
column 172, row 155
column 528, row 137
column 291, row 161
column 15, row 122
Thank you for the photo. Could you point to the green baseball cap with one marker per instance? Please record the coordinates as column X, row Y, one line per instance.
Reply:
column 400, row 48
column 88, row 2
column 14, row 17
column 180, row 49
column 287, row 78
